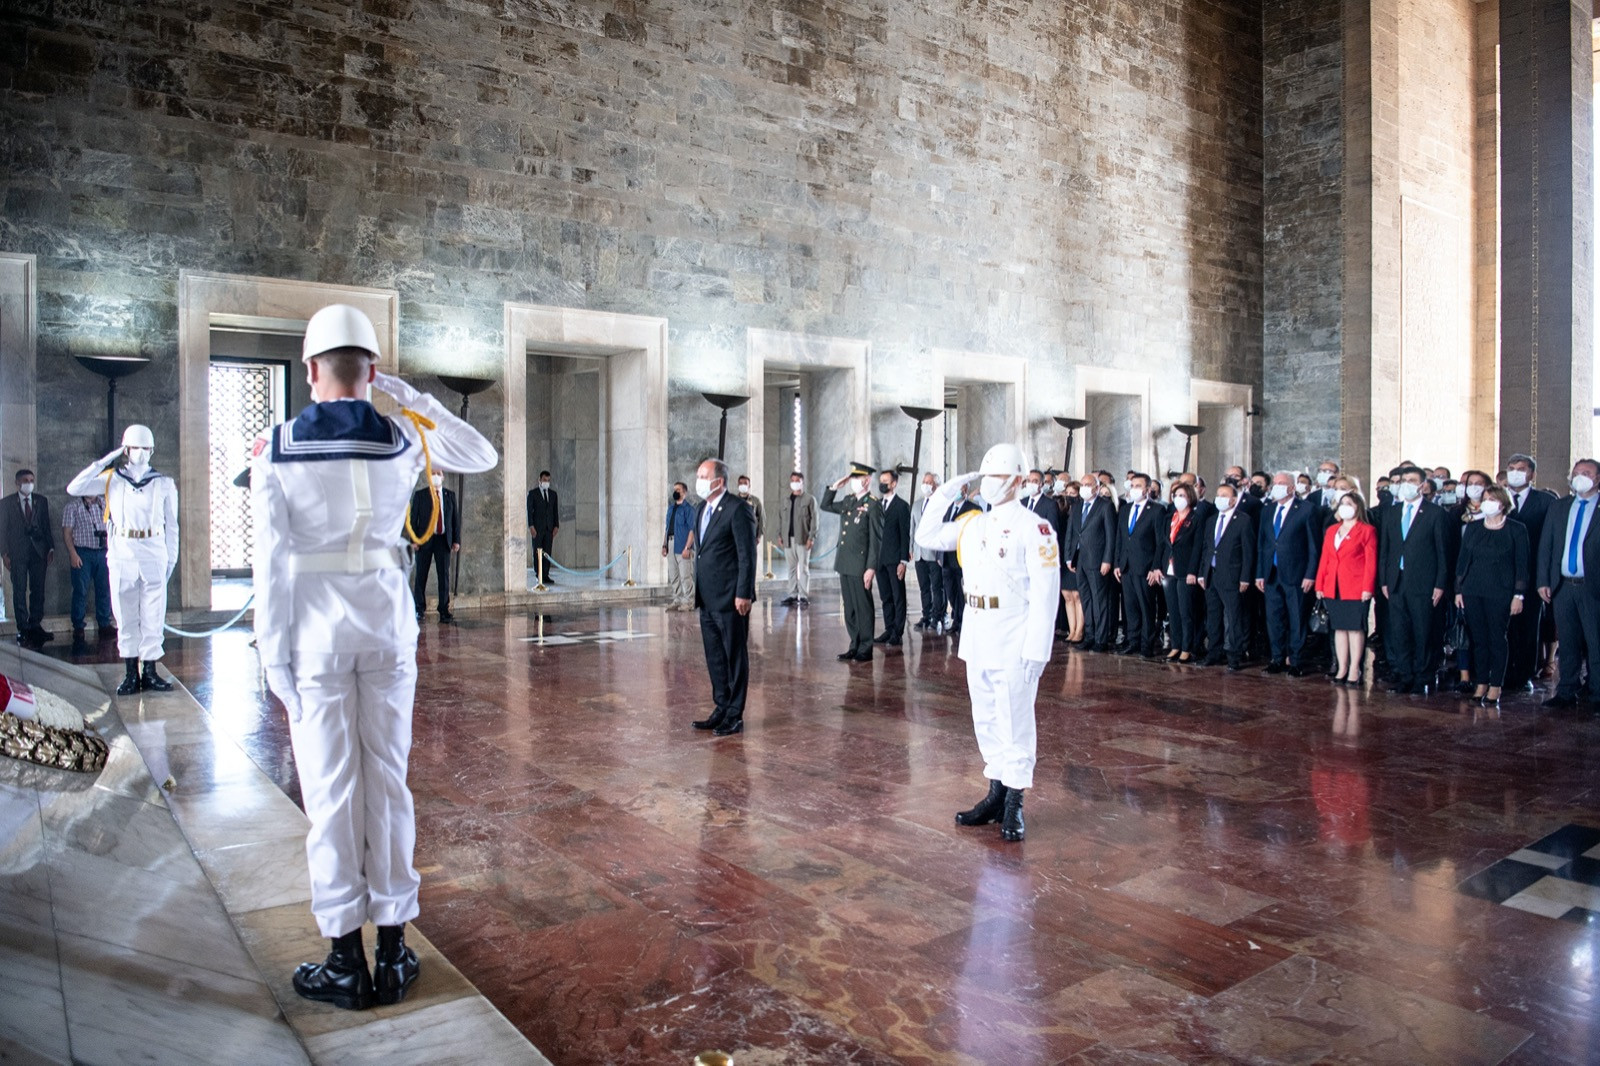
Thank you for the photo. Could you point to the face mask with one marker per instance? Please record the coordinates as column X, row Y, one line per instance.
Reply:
column 1069, row 495
column 926, row 489
column 544, row 483
column 1224, row 503
column 139, row 456
column 744, row 490
column 796, row 486
column 1180, row 503
column 1027, row 489
column 436, row 480
column 993, row 489
column 1438, row 482
column 1347, row 511
column 1491, row 508
column 1258, row 491
column 1407, row 492
column 859, row 486
column 1135, row 495
column 1516, row 478
column 702, row 487
column 1324, row 476
column 1582, row 483
column 1061, row 488
column 677, row 494
column 1301, row 488
column 26, row 488
column 1474, row 492
column 1280, row 492
column 884, row 488
column 1127, row 486
column 1231, row 479
column 1447, row 498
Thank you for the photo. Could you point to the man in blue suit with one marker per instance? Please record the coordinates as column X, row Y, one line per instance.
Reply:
column 1288, row 545
column 724, row 590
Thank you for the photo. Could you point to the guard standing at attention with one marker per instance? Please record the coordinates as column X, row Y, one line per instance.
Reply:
column 856, row 558
column 1011, row 570
column 330, row 494
column 440, row 548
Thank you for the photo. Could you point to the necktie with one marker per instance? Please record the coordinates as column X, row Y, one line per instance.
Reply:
column 27, row 511
column 1277, row 520
column 1133, row 517
column 705, row 520
column 439, row 528
column 1222, row 524
column 1577, row 537
column 1405, row 520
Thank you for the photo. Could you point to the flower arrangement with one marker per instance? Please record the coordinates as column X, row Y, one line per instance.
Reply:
column 43, row 728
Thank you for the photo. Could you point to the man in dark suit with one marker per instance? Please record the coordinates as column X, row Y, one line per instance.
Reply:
column 1411, row 569
column 439, row 549
column 724, row 590
column 1227, row 547
column 1531, row 506
column 28, row 545
column 1569, row 544
column 894, row 554
column 544, row 521
column 1141, row 523
column 1038, row 501
column 954, row 591
column 1288, row 545
column 1093, row 538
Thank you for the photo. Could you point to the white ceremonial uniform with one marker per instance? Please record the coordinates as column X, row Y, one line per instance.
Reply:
column 1011, row 575
column 336, row 627
column 142, row 550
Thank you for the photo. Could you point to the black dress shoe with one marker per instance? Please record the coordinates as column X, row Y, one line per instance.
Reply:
column 846, row 656
column 130, row 679
column 445, row 617
column 730, row 727
column 788, row 601
column 341, row 979
column 1560, row 701
column 1295, row 671
column 804, row 602
column 708, row 723
column 395, row 968
column 864, row 657
column 881, row 638
column 1275, row 668
column 1210, row 661
column 1401, row 688
column 895, row 642
column 989, row 809
column 1235, row 667
column 1011, row 827
column 151, row 681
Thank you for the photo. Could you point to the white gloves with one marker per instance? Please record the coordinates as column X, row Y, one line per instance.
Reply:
column 403, row 394
column 280, row 679
column 951, row 490
column 1032, row 670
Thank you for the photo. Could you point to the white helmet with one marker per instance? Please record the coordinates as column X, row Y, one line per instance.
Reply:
column 1003, row 460
column 339, row 326
column 137, row 436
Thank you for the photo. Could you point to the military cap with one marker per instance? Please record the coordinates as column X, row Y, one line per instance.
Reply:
column 860, row 469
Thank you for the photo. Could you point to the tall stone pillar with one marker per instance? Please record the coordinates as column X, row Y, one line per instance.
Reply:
column 1546, row 231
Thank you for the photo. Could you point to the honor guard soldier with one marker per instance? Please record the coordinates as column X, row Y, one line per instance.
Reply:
column 141, row 515
column 330, row 494
column 856, row 558
column 1011, row 571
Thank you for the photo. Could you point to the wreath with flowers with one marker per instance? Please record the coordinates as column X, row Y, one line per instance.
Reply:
column 41, row 727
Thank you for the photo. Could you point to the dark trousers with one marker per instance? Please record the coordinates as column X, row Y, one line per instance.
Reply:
column 1410, row 618
column 726, row 636
column 1254, row 605
column 930, row 583
column 92, row 572
column 545, row 541
column 27, row 590
column 1139, row 612
column 1488, row 618
column 859, row 613
column 954, row 591
column 892, row 591
column 435, row 551
column 1522, row 638
column 1578, row 631
column 1094, row 589
column 1180, row 614
column 1225, row 623
column 1286, row 620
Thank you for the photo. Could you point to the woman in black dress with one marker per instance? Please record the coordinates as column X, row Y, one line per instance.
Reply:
column 1178, row 563
column 1491, row 579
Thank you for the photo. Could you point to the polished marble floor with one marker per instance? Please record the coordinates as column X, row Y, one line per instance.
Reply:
column 1219, row 868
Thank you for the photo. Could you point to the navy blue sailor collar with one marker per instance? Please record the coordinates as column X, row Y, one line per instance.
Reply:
column 150, row 475
column 339, row 429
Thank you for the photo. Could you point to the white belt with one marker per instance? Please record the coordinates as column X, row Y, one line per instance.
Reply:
column 346, row 563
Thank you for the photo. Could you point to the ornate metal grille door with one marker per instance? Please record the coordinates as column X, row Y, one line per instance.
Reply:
column 246, row 398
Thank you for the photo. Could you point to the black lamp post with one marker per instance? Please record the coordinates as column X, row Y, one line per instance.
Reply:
column 1071, row 425
column 921, row 414
column 1189, row 434
column 727, row 403
column 112, row 367
column 468, row 388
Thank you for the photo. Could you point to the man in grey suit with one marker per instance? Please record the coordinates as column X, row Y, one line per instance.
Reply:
column 1568, row 546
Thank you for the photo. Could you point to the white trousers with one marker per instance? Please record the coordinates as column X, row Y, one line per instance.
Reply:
column 139, row 604
column 680, row 575
column 799, row 569
column 351, row 746
column 1002, row 718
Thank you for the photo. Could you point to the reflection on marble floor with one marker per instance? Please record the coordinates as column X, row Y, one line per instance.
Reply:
column 1219, row 868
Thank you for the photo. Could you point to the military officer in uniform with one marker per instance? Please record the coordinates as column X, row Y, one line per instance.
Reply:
column 856, row 558
column 141, row 514
column 337, row 633
column 1011, row 571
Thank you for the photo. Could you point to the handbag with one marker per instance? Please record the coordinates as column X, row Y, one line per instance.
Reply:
column 1455, row 635
column 1319, row 617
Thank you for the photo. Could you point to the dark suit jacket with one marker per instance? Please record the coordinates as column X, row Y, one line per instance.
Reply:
column 1553, row 544
column 1296, row 547
column 725, row 558
column 1046, row 509
column 1250, row 505
column 1094, row 535
column 1139, row 551
column 894, row 542
column 1236, row 555
column 1423, row 551
column 422, row 510
column 1532, row 514
column 543, row 515
column 1181, row 553
column 18, row 538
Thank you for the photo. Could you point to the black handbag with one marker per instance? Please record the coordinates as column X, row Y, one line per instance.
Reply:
column 1455, row 636
column 1319, row 618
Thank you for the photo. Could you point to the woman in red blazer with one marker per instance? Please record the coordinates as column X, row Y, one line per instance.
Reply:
column 1346, row 579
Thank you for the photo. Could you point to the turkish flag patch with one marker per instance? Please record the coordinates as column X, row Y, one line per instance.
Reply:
column 258, row 447
column 1044, row 527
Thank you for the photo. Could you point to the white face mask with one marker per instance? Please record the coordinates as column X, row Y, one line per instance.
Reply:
column 1490, row 508
column 1448, row 499
column 927, row 488
column 436, row 480
column 1135, row 495
column 139, row 456
column 796, row 486
column 1180, row 503
column 1301, row 488
column 1582, row 483
column 1127, row 486
column 26, row 488
column 1027, row 489
column 1061, row 488
column 1324, row 476
column 744, row 490
column 858, row 486
column 1474, row 492
column 1224, row 503
column 993, row 489
column 544, row 484
column 702, row 487
column 1279, row 492
column 1406, row 491
column 1516, row 478
column 1347, row 511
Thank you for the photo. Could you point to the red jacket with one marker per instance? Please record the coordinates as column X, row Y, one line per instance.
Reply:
column 1347, row 571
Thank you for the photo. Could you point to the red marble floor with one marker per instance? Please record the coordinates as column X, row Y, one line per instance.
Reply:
column 1219, row 868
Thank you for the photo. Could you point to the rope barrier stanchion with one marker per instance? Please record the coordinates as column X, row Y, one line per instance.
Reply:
column 628, row 584
column 769, row 574
column 539, row 561
column 229, row 624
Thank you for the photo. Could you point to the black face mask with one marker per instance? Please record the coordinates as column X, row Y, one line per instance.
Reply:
column 1231, row 480
column 677, row 496
column 1386, row 496
column 1258, row 491
column 884, row 488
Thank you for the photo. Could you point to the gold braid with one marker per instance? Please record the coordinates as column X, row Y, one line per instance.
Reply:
column 422, row 422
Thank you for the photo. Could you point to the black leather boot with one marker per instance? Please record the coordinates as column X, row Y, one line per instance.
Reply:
column 341, row 979
column 130, row 680
column 396, row 966
column 1011, row 827
column 152, row 681
column 988, row 808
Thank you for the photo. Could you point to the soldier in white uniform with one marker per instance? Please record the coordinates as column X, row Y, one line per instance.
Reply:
column 337, row 632
column 1011, row 572
column 142, row 520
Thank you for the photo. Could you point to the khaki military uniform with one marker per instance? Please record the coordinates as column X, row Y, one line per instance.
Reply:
column 860, row 530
